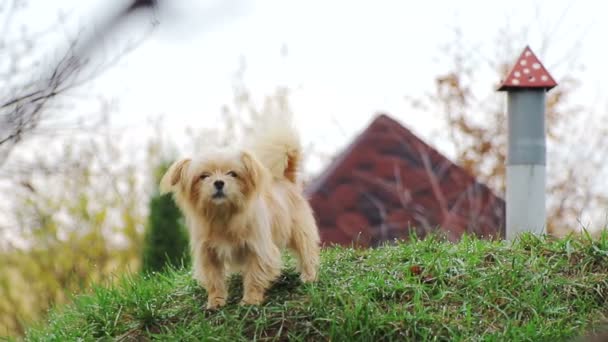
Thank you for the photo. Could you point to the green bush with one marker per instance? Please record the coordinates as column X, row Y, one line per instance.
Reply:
column 166, row 237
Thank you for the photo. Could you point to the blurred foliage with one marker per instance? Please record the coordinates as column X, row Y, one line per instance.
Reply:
column 71, row 211
column 239, row 117
column 73, row 228
column 475, row 123
column 166, row 236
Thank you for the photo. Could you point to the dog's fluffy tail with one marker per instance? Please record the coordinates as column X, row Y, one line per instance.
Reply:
column 276, row 143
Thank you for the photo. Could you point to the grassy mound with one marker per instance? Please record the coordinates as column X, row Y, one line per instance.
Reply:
column 536, row 289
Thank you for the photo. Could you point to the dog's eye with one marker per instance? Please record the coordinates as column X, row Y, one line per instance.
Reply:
column 232, row 174
column 204, row 175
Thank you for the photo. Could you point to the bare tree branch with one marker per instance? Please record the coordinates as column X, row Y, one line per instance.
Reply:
column 23, row 105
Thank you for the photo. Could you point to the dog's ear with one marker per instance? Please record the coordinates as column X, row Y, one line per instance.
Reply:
column 173, row 175
column 256, row 173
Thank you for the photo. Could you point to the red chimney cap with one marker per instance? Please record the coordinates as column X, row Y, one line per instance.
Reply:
column 528, row 72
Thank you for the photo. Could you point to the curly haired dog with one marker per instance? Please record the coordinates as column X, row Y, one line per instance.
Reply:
column 243, row 206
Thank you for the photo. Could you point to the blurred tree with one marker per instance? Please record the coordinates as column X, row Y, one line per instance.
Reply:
column 166, row 236
column 70, row 229
column 474, row 124
column 239, row 117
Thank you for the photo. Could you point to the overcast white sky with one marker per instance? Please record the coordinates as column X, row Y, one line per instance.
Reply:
column 346, row 59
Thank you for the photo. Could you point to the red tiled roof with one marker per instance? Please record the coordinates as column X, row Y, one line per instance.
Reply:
column 388, row 182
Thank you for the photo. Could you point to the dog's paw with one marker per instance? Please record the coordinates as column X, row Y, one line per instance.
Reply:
column 244, row 302
column 308, row 277
column 254, row 299
column 215, row 303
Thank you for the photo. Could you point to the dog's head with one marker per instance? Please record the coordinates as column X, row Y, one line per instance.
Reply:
column 220, row 182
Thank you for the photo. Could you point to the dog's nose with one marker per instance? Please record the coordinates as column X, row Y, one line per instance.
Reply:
column 219, row 184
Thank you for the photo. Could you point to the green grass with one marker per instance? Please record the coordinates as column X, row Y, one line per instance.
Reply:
column 536, row 289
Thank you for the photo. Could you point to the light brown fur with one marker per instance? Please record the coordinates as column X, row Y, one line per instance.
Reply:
column 261, row 212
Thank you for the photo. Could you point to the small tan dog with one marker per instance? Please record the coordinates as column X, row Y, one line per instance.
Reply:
column 242, row 207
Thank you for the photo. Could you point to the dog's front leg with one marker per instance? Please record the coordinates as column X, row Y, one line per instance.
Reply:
column 213, row 276
column 262, row 268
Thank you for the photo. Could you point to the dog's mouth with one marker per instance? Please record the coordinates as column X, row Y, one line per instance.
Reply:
column 218, row 195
